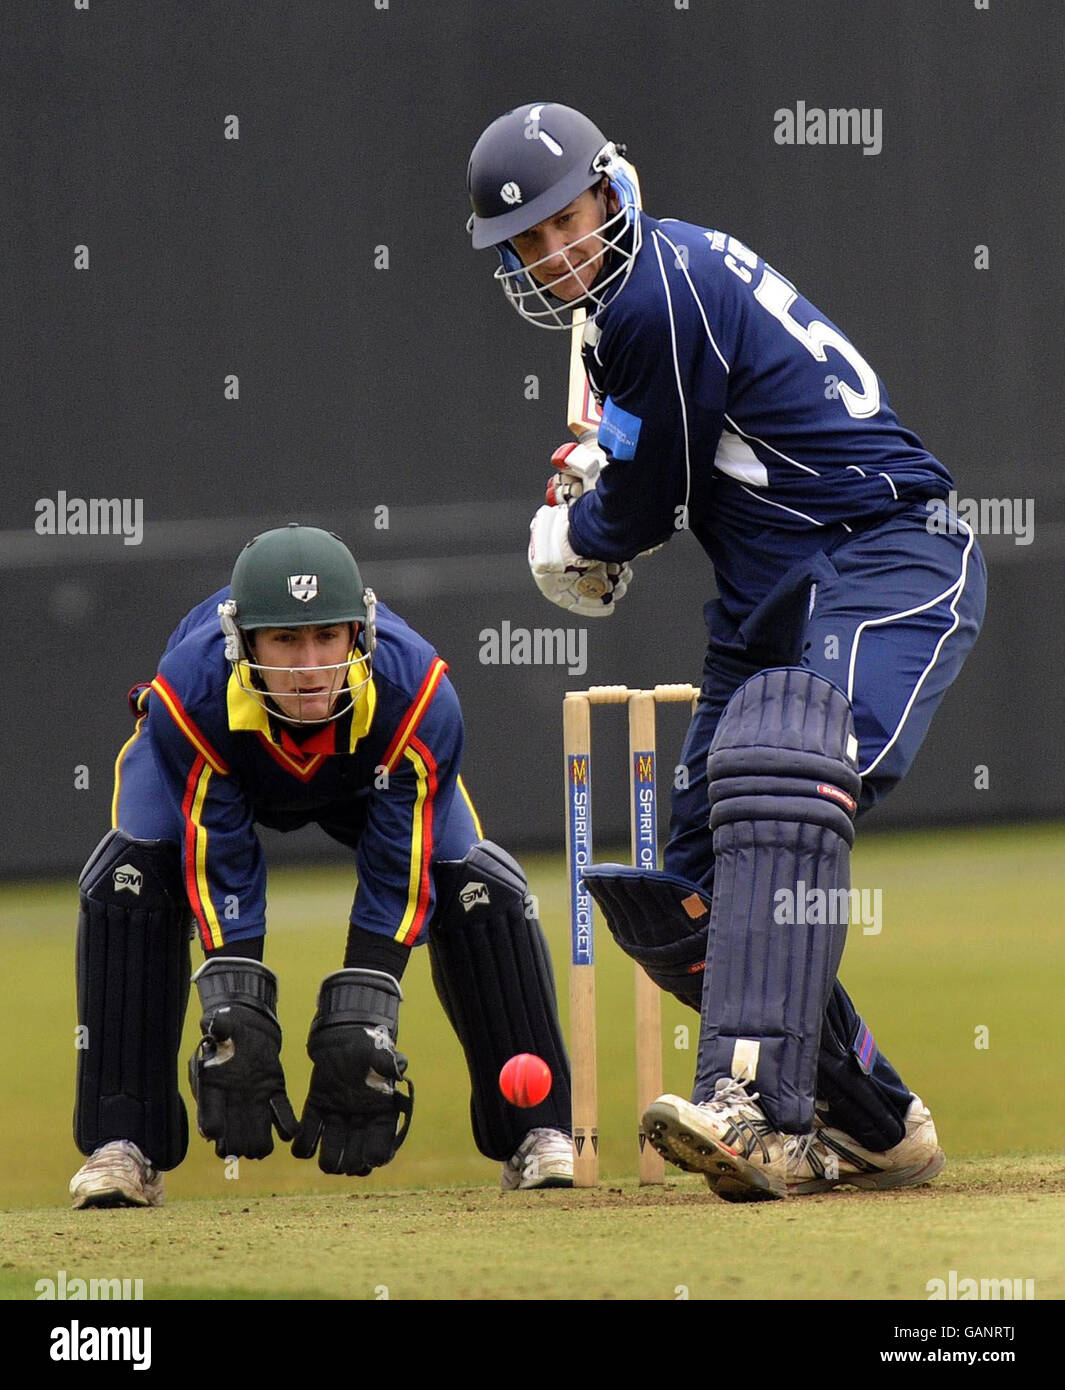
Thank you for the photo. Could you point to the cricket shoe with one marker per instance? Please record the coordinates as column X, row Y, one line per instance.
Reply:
column 728, row 1139
column 544, row 1159
column 117, row 1175
column 828, row 1158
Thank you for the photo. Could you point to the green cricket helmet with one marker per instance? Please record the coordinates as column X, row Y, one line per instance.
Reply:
column 298, row 576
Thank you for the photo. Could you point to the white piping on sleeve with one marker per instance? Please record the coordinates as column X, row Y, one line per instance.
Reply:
column 676, row 373
column 680, row 262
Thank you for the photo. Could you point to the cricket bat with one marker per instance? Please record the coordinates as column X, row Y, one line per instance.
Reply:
column 582, row 412
column 582, row 419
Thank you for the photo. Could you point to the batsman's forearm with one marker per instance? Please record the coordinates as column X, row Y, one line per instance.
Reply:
column 596, row 537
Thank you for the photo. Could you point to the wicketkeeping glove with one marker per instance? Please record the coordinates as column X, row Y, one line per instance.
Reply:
column 235, row 1072
column 354, row 1111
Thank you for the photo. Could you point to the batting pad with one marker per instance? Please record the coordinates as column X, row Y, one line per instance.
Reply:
column 783, row 793
column 858, row 1090
column 492, row 971
column 658, row 919
column 133, row 988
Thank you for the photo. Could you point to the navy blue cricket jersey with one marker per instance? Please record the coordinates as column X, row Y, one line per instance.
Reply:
column 732, row 407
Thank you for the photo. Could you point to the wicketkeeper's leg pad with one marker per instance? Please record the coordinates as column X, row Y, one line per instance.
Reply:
column 492, row 971
column 783, row 792
column 858, row 1090
column 658, row 919
column 133, row 988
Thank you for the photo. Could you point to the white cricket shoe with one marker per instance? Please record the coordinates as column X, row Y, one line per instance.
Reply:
column 544, row 1159
column 117, row 1175
column 728, row 1139
column 828, row 1158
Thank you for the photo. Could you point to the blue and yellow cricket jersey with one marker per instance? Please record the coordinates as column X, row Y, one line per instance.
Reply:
column 207, row 763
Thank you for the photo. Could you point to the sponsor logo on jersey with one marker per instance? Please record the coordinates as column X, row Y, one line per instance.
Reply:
column 619, row 431
column 510, row 193
column 474, row 895
column 303, row 587
column 126, row 876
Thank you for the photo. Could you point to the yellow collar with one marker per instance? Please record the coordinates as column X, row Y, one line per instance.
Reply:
column 247, row 714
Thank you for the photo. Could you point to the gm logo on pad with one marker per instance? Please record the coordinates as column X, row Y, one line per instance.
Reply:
column 473, row 895
column 126, row 876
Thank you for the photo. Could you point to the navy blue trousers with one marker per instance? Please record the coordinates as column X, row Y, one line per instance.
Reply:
column 888, row 615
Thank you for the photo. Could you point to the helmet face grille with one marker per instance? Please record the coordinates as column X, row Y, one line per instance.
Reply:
column 348, row 679
column 536, row 303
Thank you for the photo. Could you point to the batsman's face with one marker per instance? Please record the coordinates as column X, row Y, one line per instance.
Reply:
column 564, row 253
column 304, row 669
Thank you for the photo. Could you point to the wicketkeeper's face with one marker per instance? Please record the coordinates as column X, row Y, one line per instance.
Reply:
column 304, row 669
column 564, row 253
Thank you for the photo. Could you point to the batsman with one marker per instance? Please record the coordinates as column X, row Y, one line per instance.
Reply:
column 290, row 698
column 733, row 408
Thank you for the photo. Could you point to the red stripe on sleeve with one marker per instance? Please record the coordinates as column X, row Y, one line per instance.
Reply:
column 415, row 713
column 188, row 726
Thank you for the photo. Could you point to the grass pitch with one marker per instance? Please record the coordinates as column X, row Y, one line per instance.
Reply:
column 961, row 984
column 987, row 1219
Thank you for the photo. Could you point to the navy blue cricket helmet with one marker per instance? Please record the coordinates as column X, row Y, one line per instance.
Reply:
column 526, row 167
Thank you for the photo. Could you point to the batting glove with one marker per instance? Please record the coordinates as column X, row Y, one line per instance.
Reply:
column 589, row 588
column 578, row 467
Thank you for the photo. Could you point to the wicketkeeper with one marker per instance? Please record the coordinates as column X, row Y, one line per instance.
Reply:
column 293, row 698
